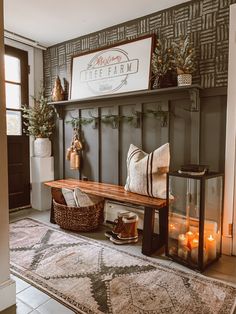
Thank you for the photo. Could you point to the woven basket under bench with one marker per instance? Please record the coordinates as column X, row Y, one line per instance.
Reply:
column 79, row 218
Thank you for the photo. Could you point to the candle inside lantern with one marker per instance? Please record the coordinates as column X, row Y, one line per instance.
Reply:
column 182, row 240
column 190, row 237
column 173, row 231
column 194, row 250
column 194, row 243
column 211, row 247
column 194, row 255
column 183, row 252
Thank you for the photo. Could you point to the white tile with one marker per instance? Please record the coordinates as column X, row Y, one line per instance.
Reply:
column 22, row 308
column 20, row 284
column 33, row 297
column 52, row 306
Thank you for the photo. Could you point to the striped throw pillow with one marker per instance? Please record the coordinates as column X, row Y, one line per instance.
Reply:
column 146, row 173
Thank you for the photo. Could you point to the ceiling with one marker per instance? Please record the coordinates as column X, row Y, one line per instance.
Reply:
column 54, row 21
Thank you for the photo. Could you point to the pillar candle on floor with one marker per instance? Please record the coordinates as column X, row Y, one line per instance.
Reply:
column 211, row 247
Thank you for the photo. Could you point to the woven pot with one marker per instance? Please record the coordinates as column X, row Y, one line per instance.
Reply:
column 184, row 79
column 42, row 147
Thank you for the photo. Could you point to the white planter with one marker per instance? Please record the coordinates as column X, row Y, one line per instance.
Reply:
column 42, row 147
column 184, row 79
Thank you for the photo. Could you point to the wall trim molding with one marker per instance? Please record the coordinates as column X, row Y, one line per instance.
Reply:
column 227, row 245
column 7, row 294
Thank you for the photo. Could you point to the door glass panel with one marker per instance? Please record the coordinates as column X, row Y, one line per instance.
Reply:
column 14, row 123
column 13, row 96
column 12, row 69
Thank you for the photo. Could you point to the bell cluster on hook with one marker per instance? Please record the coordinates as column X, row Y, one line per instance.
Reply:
column 74, row 151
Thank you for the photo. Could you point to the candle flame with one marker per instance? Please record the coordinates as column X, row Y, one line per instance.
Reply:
column 210, row 238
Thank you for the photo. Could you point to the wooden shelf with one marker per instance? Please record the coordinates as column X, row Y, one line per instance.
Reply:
column 161, row 91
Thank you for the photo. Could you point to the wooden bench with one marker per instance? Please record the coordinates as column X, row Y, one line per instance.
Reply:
column 151, row 241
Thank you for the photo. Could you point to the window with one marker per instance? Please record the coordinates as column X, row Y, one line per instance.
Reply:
column 14, row 89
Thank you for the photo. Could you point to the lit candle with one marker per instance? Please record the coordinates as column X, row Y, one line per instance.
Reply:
column 194, row 250
column 173, row 231
column 183, row 252
column 194, row 243
column 182, row 240
column 190, row 237
column 194, row 255
column 211, row 247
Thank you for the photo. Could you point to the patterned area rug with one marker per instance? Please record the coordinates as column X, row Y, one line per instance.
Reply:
column 90, row 277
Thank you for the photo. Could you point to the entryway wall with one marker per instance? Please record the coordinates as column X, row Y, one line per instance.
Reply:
column 230, row 157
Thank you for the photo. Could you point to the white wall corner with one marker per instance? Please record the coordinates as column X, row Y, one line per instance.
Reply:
column 230, row 149
column 7, row 294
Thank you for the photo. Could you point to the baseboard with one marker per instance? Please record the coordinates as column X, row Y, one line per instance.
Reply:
column 7, row 294
column 227, row 245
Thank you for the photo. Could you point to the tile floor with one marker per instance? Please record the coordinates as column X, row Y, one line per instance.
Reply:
column 31, row 300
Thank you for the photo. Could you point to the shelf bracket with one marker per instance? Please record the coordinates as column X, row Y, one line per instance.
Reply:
column 137, row 119
column 194, row 100
column 95, row 123
column 164, row 120
column 59, row 112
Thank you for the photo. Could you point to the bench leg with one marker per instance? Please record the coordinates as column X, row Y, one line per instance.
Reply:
column 148, row 230
column 151, row 241
column 163, row 226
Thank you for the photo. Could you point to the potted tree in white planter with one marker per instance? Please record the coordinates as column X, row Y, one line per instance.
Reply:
column 39, row 122
column 184, row 59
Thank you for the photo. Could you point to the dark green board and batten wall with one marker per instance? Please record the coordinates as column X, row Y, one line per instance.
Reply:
column 207, row 23
column 193, row 135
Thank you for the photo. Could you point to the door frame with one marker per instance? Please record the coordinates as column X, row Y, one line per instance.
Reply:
column 22, row 55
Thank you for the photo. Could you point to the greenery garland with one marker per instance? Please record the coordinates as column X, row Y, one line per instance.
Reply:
column 77, row 122
column 114, row 120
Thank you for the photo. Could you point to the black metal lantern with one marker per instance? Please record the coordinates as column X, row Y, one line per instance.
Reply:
column 195, row 205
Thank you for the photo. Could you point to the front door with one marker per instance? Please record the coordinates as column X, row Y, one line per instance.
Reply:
column 16, row 82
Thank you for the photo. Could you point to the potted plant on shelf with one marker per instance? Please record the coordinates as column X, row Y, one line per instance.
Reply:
column 39, row 122
column 163, row 66
column 184, row 61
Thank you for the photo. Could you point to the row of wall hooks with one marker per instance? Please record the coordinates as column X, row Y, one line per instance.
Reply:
column 114, row 120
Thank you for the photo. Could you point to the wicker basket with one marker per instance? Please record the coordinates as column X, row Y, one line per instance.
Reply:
column 79, row 218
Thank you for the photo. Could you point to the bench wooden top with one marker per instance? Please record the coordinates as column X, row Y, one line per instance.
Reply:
column 108, row 191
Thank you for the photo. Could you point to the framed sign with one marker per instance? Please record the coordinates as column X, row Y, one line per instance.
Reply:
column 117, row 69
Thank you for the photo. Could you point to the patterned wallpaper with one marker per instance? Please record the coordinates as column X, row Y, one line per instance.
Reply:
column 206, row 21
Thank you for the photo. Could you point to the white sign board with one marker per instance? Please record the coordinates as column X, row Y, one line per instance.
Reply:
column 118, row 69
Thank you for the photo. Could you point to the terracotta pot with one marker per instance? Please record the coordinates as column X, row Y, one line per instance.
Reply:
column 42, row 147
